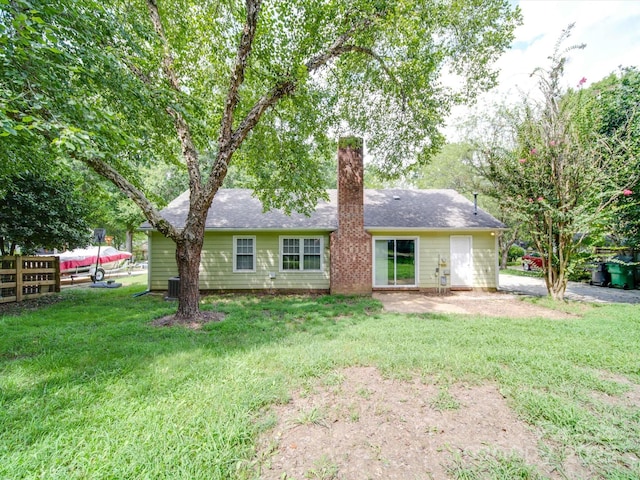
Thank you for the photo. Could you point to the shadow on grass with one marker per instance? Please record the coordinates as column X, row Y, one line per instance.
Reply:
column 93, row 334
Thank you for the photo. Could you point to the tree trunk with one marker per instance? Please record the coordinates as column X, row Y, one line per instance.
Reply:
column 558, row 289
column 556, row 282
column 504, row 258
column 188, row 253
column 505, row 244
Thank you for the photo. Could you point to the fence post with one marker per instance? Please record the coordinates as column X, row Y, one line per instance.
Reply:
column 18, row 278
column 56, row 265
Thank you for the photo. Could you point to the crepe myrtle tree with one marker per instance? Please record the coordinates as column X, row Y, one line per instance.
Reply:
column 257, row 83
column 559, row 176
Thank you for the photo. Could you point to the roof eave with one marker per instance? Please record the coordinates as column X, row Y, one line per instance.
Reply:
column 434, row 229
column 254, row 229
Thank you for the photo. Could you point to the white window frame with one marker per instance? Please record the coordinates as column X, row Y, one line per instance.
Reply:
column 235, row 253
column 301, row 238
column 416, row 260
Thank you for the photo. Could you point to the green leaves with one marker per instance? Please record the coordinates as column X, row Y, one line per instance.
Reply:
column 96, row 67
column 41, row 211
column 560, row 168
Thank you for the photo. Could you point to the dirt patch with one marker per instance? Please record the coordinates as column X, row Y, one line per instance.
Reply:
column 368, row 427
column 629, row 399
column 469, row 303
column 30, row 305
column 195, row 323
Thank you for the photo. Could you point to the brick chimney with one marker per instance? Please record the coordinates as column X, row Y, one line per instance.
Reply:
column 350, row 244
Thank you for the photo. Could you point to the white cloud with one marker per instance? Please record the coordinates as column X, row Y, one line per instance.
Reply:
column 610, row 30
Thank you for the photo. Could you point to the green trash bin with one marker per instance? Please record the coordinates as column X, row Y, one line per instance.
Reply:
column 621, row 275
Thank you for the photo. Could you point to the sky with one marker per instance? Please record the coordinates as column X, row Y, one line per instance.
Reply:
column 610, row 30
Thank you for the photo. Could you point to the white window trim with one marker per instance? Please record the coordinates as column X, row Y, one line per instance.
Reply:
column 235, row 253
column 301, row 253
column 416, row 260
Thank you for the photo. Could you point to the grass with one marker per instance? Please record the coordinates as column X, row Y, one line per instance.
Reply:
column 444, row 401
column 314, row 416
column 88, row 389
column 495, row 466
column 324, row 469
column 518, row 272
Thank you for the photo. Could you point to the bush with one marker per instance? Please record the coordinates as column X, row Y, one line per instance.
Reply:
column 515, row 253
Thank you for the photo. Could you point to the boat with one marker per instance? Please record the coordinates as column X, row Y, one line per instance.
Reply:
column 82, row 261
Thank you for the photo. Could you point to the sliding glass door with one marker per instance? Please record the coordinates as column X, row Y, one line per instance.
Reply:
column 394, row 262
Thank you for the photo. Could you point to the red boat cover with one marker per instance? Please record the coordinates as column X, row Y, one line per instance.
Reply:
column 85, row 257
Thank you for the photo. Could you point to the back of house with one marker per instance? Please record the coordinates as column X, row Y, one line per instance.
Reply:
column 358, row 241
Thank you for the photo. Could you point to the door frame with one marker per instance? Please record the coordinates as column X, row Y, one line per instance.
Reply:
column 468, row 278
column 416, row 256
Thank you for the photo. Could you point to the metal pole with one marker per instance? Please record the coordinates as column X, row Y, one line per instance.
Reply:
column 99, row 235
column 95, row 274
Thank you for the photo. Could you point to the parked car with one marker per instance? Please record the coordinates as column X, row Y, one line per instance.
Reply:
column 532, row 261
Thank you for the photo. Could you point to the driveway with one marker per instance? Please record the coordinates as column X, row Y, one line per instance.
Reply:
column 575, row 291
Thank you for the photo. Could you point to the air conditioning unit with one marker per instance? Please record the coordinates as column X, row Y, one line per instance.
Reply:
column 174, row 287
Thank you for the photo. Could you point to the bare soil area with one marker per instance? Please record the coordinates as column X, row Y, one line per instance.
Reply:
column 469, row 303
column 195, row 323
column 366, row 427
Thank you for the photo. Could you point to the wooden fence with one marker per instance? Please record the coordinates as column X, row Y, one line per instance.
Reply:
column 27, row 277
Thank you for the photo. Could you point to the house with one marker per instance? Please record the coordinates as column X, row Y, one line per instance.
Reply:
column 357, row 241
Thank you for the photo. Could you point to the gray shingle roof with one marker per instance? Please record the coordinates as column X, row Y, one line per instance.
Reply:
column 431, row 209
column 237, row 209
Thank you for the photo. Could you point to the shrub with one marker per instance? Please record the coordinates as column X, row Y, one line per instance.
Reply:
column 515, row 253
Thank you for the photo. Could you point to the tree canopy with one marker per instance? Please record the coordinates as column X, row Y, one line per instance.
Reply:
column 616, row 100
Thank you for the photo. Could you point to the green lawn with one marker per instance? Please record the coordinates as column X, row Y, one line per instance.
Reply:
column 89, row 389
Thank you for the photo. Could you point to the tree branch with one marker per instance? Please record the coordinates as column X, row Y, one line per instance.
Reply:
column 237, row 78
column 189, row 152
column 107, row 171
column 379, row 59
column 338, row 47
column 139, row 74
column 387, row 70
column 285, row 87
column 167, row 56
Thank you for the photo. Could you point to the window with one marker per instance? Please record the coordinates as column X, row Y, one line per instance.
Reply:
column 394, row 262
column 244, row 254
column 299, row 253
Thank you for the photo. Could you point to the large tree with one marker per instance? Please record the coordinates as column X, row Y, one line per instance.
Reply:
column 558, row 174
column 41, row 211
column 259, row 83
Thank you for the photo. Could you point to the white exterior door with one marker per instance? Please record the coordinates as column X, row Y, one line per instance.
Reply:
column 461, row 261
